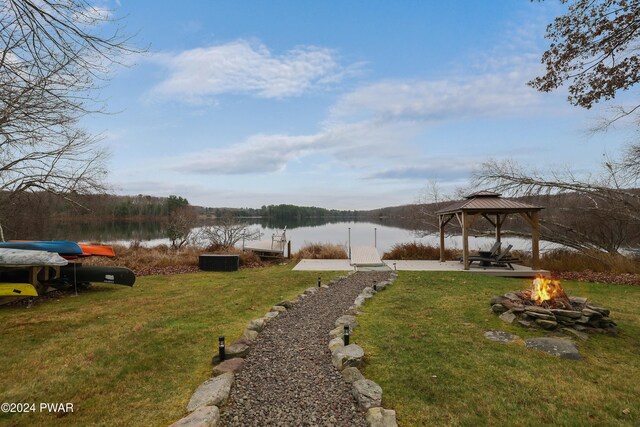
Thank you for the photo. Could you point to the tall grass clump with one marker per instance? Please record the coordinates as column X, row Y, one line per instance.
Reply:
column 137, row 257
column 419, row 251
column 321, row 251
column 568, row 260
column 143, row 259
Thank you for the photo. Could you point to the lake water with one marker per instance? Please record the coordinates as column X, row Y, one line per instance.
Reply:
column 362, row 234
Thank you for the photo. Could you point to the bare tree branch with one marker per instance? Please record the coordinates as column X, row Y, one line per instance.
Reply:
column 226, row 233
column 594, row 213
column 51, row 54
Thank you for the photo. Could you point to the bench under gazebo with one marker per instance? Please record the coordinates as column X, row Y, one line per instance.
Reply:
column 493, row 208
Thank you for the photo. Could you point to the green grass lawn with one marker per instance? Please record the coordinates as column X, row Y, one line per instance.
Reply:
column 131, row 356
column 424, row 344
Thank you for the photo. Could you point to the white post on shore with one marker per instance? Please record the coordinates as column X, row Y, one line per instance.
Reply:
column 349, row 242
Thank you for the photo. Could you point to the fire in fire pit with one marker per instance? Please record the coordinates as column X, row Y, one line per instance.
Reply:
column 549, row 294
column 546, row 305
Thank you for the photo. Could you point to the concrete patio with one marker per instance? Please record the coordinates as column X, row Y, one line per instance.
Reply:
column 416, row 265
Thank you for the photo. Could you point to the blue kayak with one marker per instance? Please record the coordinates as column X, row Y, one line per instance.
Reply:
column 62, row 247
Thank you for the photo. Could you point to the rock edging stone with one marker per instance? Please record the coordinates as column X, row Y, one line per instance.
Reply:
column 205, row 416
column 213, row 391
column 347, row 359
column 347, row 356
column 380, row 417
column 368, row 394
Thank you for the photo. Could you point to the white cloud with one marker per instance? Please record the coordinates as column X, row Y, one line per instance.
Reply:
column 259, row 154
column 244, row 67
column 377, row 129
column 351, row 144
column 377, row 125
column 93, row 15
column 490, row 94
column 437, row 168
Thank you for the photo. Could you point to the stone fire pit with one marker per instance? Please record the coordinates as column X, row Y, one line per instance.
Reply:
column 547, row 306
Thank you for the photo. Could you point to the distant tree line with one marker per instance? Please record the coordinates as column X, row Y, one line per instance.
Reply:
column 146, row 206
column 104, row 206
column 299, row 212
column 281, row 211
column 101, row 206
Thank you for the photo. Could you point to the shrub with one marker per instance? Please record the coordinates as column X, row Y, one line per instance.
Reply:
column 321, row 251
column 564, row 260
column 418, row 251
column 140, row 258
column 569, row 260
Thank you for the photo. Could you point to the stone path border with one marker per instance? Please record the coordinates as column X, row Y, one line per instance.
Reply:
column 209, row 396
column 348, row 358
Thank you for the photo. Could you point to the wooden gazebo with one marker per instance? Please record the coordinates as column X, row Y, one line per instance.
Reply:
column 494, row 209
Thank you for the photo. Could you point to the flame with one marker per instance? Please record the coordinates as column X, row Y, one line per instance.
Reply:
column 545, row 289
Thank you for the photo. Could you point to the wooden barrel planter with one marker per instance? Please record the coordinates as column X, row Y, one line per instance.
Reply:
column 219, row 262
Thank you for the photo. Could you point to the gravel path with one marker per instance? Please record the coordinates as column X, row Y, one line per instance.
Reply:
column 287, row 378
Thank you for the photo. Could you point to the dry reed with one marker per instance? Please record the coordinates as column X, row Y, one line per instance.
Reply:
column 418, row 251
column 321, row 251
column 163, row 259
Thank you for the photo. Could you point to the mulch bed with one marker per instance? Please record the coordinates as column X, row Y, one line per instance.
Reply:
column 180, row 269
column 602, row 277
column 173, row 269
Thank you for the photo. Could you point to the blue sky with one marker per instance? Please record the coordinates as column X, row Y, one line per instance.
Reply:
column 348, row 105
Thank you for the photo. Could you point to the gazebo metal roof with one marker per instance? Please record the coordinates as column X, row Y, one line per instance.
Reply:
column 488, row 202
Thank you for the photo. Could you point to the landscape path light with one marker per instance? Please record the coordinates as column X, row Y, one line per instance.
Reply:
column 221, row 347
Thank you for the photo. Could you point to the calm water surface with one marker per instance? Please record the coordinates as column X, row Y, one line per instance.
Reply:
column 362, row 234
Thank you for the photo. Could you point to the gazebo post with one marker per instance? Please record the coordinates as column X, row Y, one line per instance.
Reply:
column 535, row 244
column 465, row 240
column 441, row 223
column 498, row 224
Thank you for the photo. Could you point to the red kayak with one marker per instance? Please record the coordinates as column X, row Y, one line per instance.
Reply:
column 97, row 250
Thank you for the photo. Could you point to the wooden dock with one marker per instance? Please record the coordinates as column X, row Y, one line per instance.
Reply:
column 273, row 248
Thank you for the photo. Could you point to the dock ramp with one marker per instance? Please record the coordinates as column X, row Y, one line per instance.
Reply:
column 365, row 256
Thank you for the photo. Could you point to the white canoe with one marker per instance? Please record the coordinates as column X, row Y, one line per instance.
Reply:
column 27, row 258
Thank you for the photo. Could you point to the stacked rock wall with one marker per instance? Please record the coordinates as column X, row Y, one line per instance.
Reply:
column 579, row 316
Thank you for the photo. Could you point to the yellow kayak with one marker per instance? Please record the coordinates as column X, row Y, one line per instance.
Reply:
column 17, row 290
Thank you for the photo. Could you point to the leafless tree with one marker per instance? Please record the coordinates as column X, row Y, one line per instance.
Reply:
column 52, row 55
column 226, row 233
column 593, row 50
column 180, row 226
column 424, row 220
column 423, row 216
column 601, row 212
